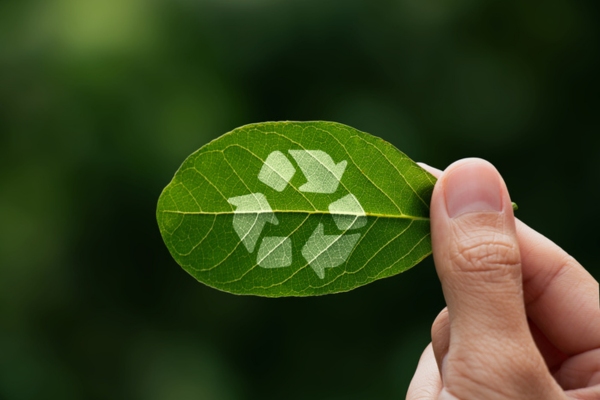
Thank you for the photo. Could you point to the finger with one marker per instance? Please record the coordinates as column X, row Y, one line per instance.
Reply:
column 561, row 297
column 477, row 258
column 475, row 249
column 440, row 339
column 440, row 336
column 580, row 371
column 552, row 356
column 591, row 393
column 426, row 383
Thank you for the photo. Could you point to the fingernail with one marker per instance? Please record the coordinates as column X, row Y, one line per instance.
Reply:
column 472, row 187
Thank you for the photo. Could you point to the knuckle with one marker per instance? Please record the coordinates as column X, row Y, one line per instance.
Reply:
column 518, row 376
column 486, row 252
column 548, row 276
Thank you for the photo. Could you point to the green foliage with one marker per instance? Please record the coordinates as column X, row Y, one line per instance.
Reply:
column 296, row 209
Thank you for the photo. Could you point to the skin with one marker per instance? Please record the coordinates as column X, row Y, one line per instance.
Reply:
column 522, row 318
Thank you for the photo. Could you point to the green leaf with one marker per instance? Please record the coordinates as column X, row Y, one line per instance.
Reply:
column 296, row 209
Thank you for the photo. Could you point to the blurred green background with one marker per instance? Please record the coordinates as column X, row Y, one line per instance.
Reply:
column 101, row 100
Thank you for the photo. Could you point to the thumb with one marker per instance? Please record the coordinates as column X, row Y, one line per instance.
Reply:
column 477, row 258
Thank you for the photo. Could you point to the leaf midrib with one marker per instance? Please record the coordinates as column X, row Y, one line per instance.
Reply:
column 366, row 214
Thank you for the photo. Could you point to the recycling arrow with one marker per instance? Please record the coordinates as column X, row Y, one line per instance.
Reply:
column 252, row 213
column 327, row 251
column 320, row 251
column 322, row 173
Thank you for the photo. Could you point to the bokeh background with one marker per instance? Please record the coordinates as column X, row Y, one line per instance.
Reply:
column 101, row 100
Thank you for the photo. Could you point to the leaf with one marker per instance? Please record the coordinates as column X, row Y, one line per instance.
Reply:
column 296, row 209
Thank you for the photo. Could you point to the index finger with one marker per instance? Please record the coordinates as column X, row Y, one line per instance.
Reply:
column 561, row 297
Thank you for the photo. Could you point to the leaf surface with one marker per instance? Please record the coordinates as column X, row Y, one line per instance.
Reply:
column 296, row 209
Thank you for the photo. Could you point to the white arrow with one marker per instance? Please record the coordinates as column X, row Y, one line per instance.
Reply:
column 327, row 251
column 322, row 173
column 252, row 213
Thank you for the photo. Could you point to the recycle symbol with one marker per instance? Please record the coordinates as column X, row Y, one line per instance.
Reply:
column 320, row 251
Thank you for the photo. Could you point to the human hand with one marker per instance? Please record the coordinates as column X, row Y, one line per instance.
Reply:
column 522, row 318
